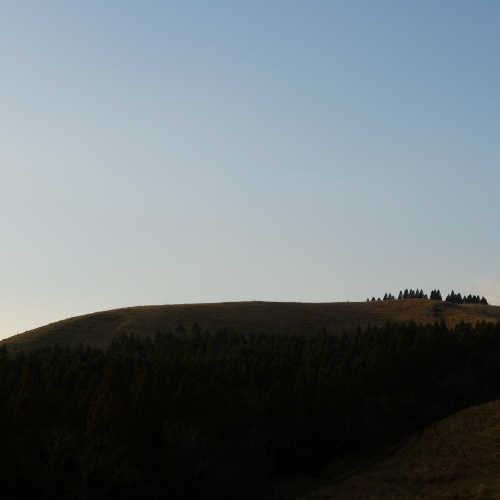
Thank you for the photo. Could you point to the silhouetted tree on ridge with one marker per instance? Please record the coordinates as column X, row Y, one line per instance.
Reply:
column 452, row 297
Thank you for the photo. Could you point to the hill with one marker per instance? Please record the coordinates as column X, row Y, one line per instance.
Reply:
column 457, row 458
column 218, row 415
column 98, row 329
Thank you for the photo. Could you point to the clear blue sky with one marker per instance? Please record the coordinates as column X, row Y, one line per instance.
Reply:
column 167, row 152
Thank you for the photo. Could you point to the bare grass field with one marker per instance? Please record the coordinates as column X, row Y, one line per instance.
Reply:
column 98, row 329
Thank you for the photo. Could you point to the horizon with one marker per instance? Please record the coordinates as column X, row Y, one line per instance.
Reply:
column 160, row 154
column 378, row 298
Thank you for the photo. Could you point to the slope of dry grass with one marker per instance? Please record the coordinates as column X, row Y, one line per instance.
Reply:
column 98, row 329
column 457, row 458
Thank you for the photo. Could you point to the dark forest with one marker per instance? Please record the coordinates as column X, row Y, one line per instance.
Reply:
column 196, row 414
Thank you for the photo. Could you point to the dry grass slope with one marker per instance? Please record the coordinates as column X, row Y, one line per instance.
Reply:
column 98, row 329
column 457, row 458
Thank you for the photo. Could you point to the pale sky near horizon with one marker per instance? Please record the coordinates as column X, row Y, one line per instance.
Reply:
column 166, row 152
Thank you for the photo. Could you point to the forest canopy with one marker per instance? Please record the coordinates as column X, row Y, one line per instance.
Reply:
column 197, row 414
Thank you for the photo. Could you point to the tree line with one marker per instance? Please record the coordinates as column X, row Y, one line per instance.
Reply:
column 457, row 298
column 200, row 414
column 454, row 298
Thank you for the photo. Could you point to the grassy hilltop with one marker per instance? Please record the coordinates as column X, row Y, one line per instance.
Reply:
column 97, row 329
column 198, row 415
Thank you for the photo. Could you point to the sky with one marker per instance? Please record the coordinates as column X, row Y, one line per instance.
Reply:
column 160, row 152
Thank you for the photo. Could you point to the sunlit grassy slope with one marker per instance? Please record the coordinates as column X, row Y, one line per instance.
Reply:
column 457, row 458
column 98, row 329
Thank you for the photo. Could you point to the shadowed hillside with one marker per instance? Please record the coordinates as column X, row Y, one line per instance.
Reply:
column 456, row 458
column 98, row 329
column 229, row 415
